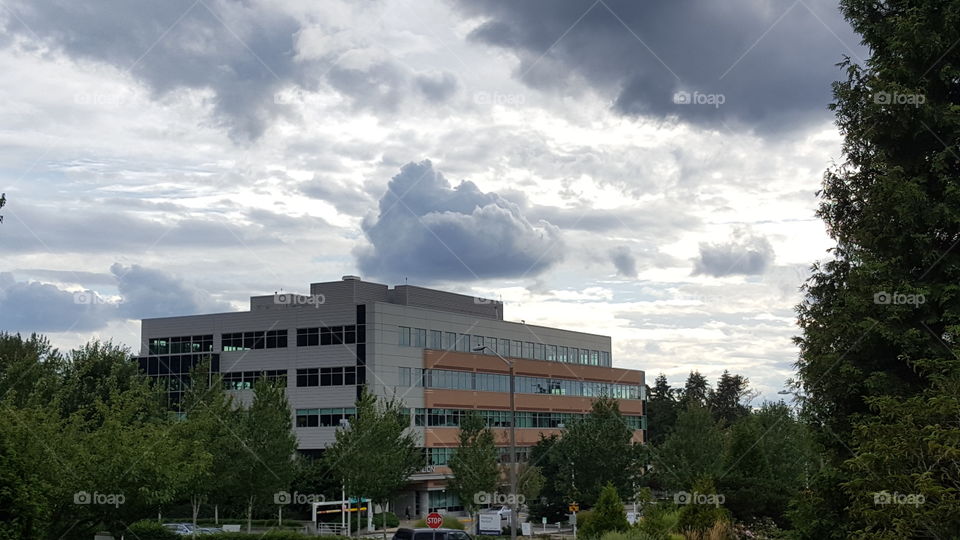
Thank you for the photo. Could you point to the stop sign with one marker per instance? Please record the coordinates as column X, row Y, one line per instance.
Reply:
column 434, row 520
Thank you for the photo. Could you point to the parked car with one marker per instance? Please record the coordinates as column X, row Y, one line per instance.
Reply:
column 180, row 528
column 209, row 530
column 430, row 534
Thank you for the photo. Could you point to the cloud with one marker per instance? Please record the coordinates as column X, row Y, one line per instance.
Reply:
column 428, row 230
column 346, row 198
column 624, row 261
column 151, row 293
column 241, row 51
column 438, row 87
column 41, row 307
column 246, row 58
column 745, row 254
column 772, row 63
column 33, row 306
column 45, row 230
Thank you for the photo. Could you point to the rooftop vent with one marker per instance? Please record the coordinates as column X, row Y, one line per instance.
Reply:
column 351, row 278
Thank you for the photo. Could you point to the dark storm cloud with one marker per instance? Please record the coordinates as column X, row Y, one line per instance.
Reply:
column 32, row 306
column 746, row 254
column 772, row 62
column 152, row 293
column 40, row 230
column 624, row 261
column 41, row 307
column 428, row 230
column 240, row 51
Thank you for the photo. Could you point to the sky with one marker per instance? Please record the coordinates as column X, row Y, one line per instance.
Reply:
column 644, row 170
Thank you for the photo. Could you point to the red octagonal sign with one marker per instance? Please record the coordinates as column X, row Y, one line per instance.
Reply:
column 434, row 520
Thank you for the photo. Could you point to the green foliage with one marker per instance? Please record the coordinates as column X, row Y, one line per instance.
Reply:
column 694, row 450
column 376, row 454
column 449, row 522
column 901, row 450
column 892, row 207
column 551, row 503
column 727, row 400
column 658, row 520
column 767, row 460
column 607, row 515
column 266, row 434
column 662, row 410
column 270, row 535
column 150, row 530
column 699, row 518
column 378, row 521
column 593, row 452
column 474, row 464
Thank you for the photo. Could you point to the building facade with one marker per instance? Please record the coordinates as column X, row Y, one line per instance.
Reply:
column 414, row 343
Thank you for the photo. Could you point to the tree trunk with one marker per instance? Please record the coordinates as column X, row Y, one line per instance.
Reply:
column 195, row 506
column 216, row 514
column 249, row 514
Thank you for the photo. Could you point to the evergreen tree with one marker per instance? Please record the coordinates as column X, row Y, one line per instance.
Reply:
column 726, row 402
column 880, row 319
column 662, row 408
column 695, row 391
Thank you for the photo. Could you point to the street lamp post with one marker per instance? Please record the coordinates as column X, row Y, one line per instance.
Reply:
column 513, row 443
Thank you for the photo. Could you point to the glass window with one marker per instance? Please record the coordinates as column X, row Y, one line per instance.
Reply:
column 449, row 341
column 436, row 339
column 527, row 350
column 405, row 376
column 419, row 337
column 552, row 353
column 308, row 377
column 594, row 358
column 477, row 343
column 604, row 358
column 491, row 345
column 515, row 349
column 539, row 351
column 404, row 336
column 350, row 334
column 463, row 343
column 562, row 354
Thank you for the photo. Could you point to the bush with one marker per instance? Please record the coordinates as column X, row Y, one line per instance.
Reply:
column 271, row 535
column 658, row 521
column 608, row 515
column 151, row 530
column 449, row 522
column 392, row 521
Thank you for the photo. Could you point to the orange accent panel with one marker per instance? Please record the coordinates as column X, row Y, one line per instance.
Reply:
column 534, row 368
